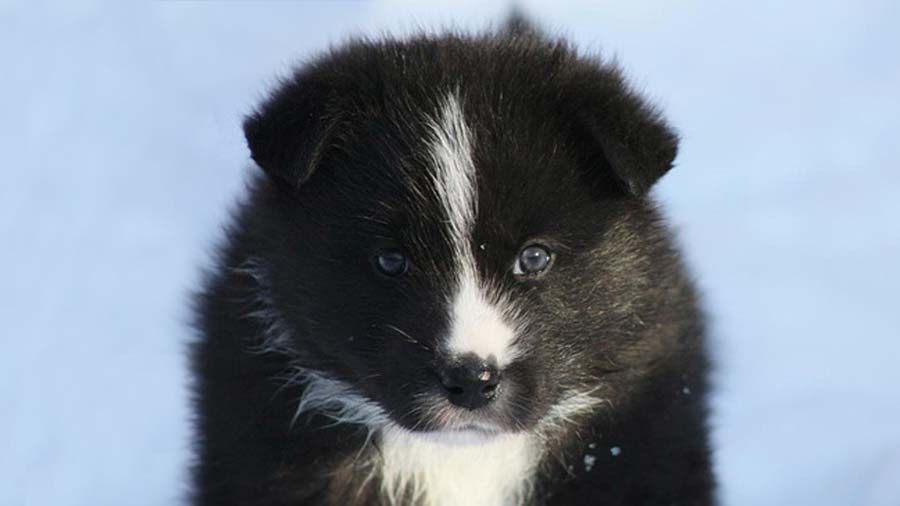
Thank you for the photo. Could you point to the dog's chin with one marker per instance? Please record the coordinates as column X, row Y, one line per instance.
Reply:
column 466, row 435
column 462, row 429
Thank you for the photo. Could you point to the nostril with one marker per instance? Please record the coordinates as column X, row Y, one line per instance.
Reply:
column 454, row 390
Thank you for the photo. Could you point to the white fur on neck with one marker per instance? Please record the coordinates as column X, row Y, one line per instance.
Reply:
column 430, row 470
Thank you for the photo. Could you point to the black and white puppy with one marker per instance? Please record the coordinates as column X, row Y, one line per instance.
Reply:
column 449, row 287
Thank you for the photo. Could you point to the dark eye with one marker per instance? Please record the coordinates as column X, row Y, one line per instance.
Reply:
column 532, row 260
column 392, row 263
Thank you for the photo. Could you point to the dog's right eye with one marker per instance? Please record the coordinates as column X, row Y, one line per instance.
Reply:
column 392, row 263
column 532, row 260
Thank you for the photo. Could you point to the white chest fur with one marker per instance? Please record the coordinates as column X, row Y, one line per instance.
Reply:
column 438, row 471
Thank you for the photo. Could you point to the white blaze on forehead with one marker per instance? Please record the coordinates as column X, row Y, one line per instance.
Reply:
column 454, row 176
column 477, row 325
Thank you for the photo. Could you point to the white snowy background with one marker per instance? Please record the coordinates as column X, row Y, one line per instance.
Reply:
column 122, row 150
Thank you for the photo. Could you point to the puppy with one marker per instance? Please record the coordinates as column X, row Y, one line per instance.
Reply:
column 448, row 286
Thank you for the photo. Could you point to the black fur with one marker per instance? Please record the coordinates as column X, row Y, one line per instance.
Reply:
column 565, row 153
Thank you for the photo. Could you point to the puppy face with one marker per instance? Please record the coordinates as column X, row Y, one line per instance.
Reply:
column 458, row 239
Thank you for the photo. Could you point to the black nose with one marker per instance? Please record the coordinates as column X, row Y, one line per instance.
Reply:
column 470, row 382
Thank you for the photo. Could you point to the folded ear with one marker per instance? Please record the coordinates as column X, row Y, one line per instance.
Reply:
column 632, row 135
column 289, row 133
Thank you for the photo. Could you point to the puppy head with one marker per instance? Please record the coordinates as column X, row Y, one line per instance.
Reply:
column 455, row 229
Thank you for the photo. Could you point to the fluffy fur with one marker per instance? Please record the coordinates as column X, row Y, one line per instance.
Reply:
column 321, row 380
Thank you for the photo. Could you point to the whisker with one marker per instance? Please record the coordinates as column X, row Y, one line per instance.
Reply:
column 406, row 336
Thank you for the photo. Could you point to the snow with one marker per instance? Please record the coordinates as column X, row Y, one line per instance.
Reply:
column 589, row 461
column 121, row 134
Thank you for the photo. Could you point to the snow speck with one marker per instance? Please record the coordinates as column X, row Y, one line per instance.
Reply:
column 592, row 445
column 686, row 391
column 615, row 451
column 589, row 461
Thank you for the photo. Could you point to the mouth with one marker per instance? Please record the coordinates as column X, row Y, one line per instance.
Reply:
column 432, row 416
column 464, row 435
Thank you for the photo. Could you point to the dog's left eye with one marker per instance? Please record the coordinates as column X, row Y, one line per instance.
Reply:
column 392, row 263
column 532, row 260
